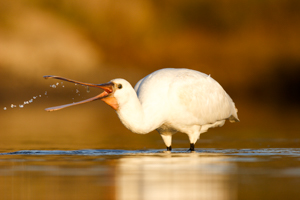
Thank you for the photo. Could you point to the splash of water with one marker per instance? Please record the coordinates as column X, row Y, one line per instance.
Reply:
column 46, row 93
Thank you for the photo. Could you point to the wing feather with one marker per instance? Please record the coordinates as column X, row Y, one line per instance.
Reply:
column 200, row 98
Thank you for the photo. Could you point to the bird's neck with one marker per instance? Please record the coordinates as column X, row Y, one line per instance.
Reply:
column 137, row 118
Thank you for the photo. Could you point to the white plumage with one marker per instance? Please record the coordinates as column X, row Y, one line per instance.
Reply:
column 168, row 100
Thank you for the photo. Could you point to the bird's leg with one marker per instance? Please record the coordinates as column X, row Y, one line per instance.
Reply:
column 194, row 135
column 167, row 138
column 192, row 147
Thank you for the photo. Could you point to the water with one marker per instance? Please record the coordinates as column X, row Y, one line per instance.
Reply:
column 269, row 173
column 54, row 86
column 25, row 102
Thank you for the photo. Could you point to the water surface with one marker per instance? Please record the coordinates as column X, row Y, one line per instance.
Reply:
column 271, row 173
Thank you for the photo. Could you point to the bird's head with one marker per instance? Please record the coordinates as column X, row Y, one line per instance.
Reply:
column 120, row 92
column 115, row 93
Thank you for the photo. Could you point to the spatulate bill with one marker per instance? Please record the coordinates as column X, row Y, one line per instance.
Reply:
column 72, row 81
column 100, row 96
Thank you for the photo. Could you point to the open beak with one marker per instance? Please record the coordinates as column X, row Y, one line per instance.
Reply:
column 107, row 87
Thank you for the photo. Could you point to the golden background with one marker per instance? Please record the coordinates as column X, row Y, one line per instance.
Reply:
column 252, row 48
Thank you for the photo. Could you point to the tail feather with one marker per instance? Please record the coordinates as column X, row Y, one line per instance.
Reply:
column 234, row 118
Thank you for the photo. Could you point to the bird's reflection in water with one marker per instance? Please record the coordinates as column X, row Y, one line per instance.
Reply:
column 185, row 176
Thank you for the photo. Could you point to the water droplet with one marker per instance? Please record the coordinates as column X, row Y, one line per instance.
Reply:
column 63, row 86
column 75, row 83
column 53, row 86
column 77, row 91
column 26, row 102
column 31, row 100
column 34, row 97
column 21, row 106
column 57, row 83
column 45, row 92
column 87, row 89
column 40, row 95
column 4, row 108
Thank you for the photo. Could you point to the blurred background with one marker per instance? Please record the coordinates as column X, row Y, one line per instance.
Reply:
column 252, row 48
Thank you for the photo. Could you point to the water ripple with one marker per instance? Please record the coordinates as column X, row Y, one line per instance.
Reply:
column 98, row 152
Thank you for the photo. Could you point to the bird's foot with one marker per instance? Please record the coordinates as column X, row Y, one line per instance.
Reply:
column 192, row 148
column 169, row 149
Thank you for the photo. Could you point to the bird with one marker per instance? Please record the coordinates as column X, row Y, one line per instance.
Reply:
column 168, row 100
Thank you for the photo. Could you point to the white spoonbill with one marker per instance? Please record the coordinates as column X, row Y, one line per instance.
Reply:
column 168, row 100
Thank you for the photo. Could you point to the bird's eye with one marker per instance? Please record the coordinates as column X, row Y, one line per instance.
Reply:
column 120, row 86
